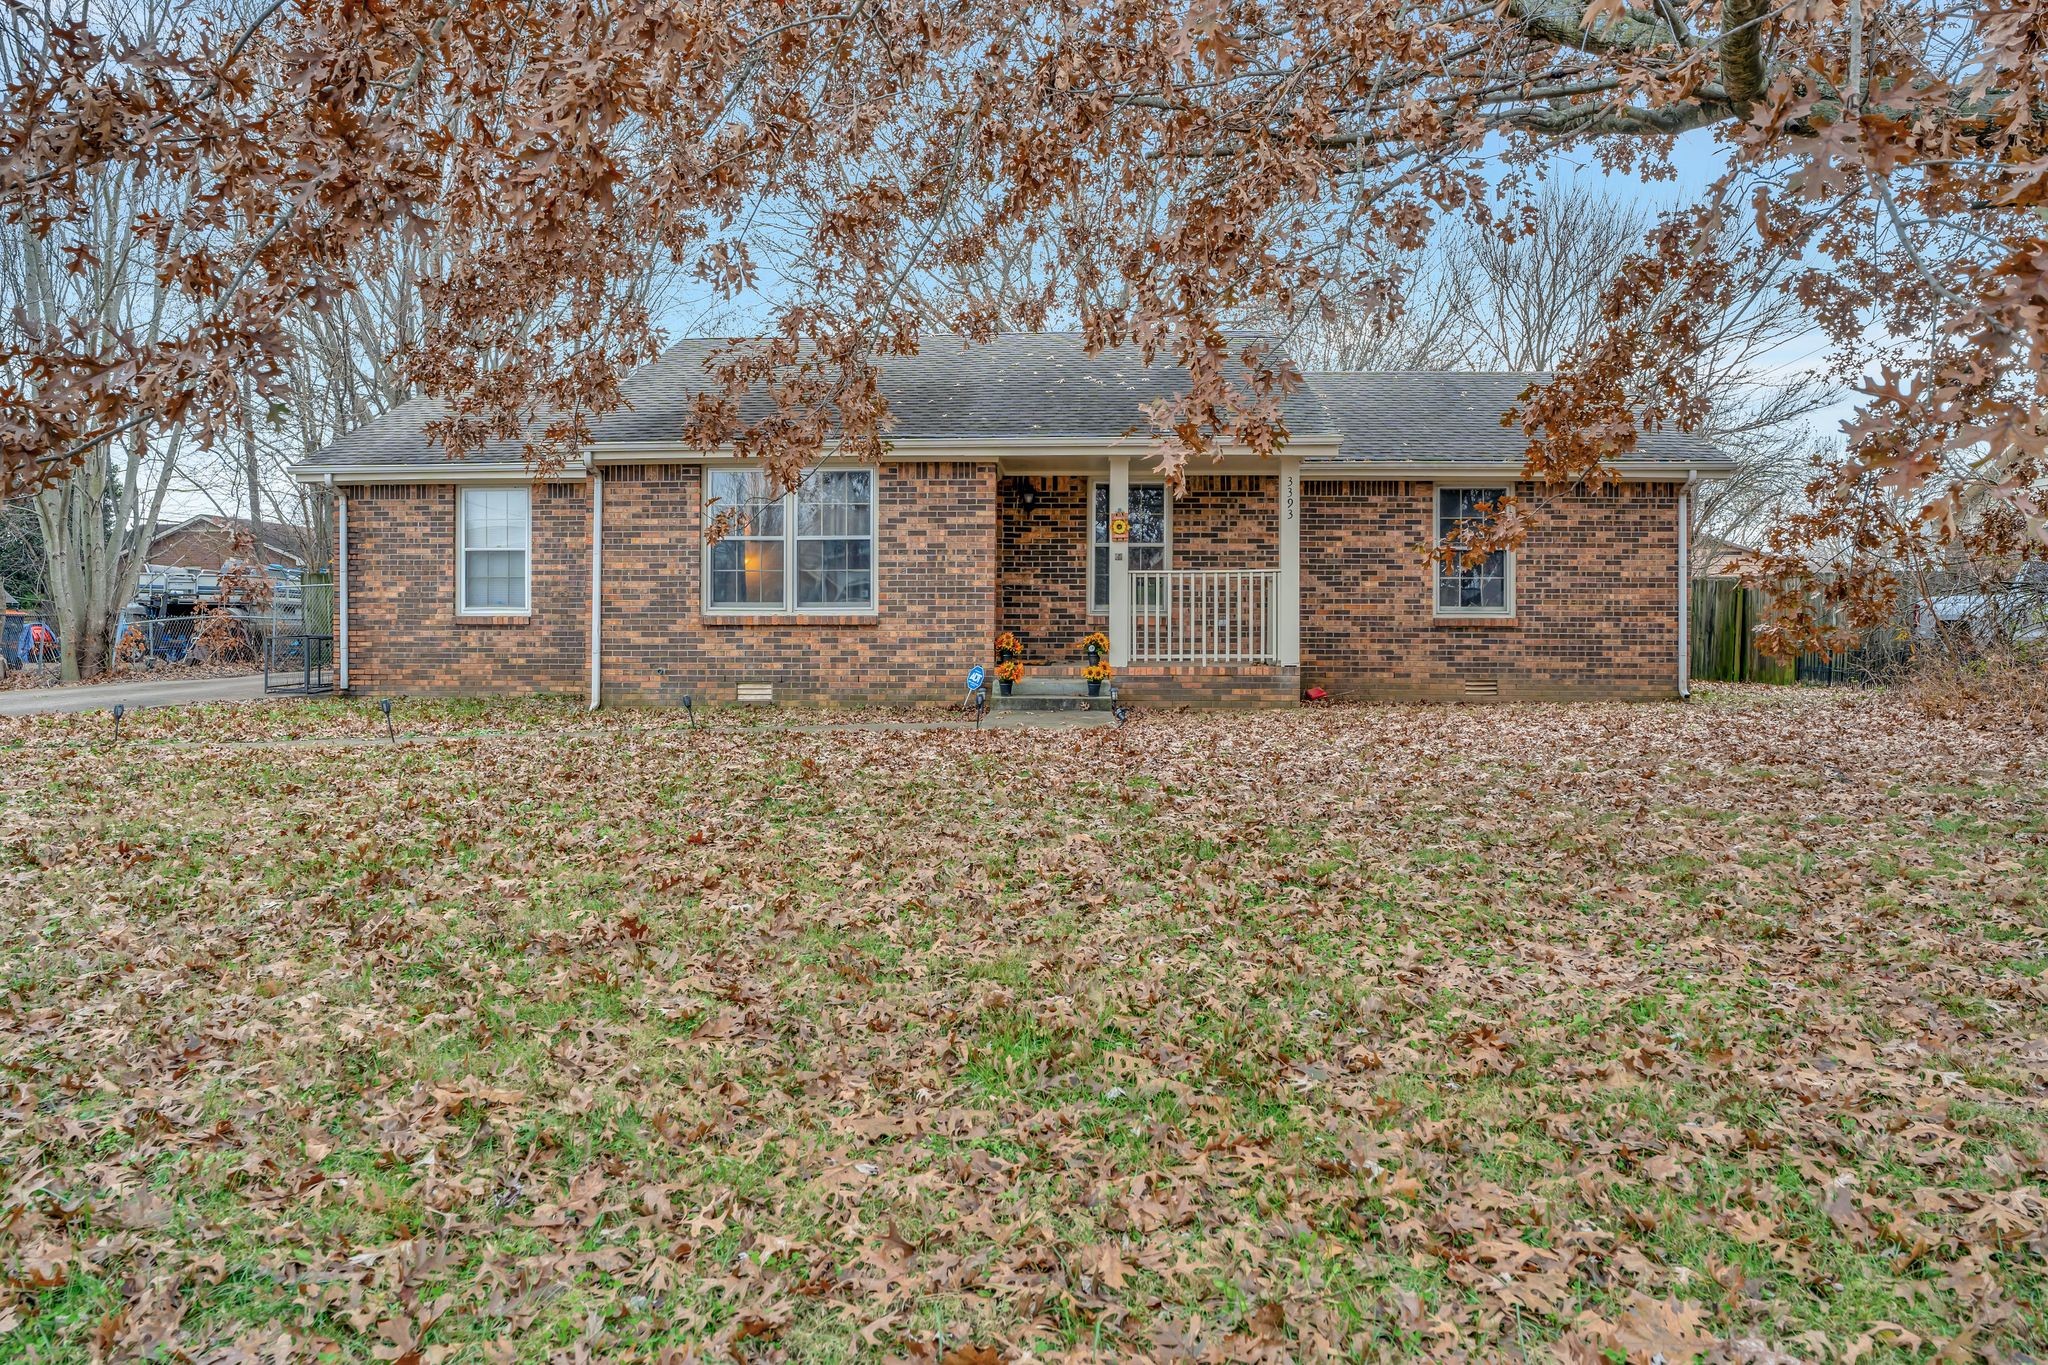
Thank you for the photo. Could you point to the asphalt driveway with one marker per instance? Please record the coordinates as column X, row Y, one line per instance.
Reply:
column 133, row 694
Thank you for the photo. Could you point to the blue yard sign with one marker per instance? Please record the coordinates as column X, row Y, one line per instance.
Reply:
column 975, row 678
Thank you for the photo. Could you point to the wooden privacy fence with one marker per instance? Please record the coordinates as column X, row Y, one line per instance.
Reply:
column 1725, row 616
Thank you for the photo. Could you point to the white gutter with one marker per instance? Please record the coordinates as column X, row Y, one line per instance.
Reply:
column 1685, row 585
column 596, row 586
column 1312, row 467
column 341, row 592
column 449, row 471
column 960, row 446
column 1647, row 471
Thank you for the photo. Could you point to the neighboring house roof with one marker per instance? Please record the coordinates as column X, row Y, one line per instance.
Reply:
column 1717, row 556
column 1046, row 386
column 267, row 538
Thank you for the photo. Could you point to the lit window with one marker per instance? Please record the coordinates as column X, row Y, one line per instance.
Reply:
column 494, row 542
column 814, row 548
column 747, row 566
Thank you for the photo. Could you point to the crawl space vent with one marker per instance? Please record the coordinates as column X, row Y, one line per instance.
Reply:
column 756, row 694
column 1482, row 687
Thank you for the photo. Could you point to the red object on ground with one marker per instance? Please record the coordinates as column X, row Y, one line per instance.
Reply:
column 1317, row 694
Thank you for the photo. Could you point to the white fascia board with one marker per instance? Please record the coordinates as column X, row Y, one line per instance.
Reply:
column 989, row 447
column 1630, row 470
column 1080, row 454
column 1016, row 455
column 452, row 472
column 1229, row 460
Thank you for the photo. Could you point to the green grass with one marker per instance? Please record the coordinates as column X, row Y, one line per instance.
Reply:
column 1336, row 1034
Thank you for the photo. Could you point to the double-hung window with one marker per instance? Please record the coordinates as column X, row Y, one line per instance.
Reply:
column 494, row 551
column 811, row 550
column 1486, row 588
column 1148, row 538
column 749, row 564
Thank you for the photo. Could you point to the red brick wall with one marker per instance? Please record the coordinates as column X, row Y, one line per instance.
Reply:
column 195, row 548
column 935, row 594
column 403, row 633
column 1227, row 521
column 960, row 558
column 1596, row 597
column 1253, row 687
column 204, row 547
column 1043, row 594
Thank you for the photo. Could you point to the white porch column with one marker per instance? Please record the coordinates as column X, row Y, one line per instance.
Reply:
column 1288, row 636
column 1119, row 565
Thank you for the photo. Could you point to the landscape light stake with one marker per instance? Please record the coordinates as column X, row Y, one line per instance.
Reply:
column 690, row 706
column 385, row 707
column 119, row 711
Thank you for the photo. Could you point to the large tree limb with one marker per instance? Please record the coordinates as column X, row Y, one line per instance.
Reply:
column 1742, row 52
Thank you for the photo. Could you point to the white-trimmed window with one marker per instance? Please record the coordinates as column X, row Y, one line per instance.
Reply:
column 1150, row 535
column 810, row 551
column 1483, row 589
column 494, row 551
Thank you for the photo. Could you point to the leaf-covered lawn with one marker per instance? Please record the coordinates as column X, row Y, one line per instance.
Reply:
column 1360, row 1032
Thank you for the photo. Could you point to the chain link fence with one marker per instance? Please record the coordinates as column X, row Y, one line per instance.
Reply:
column 179, row 617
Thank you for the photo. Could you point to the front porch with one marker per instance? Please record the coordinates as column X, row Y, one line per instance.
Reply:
column 1199, row 595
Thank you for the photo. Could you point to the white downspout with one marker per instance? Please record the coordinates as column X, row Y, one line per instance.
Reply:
column 341, row 589
column 596, row 585
column 1685, row 585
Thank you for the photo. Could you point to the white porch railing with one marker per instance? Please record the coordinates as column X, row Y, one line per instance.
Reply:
column 1205, row 616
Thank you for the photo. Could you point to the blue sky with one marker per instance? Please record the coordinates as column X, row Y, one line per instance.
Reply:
column 1696, row 160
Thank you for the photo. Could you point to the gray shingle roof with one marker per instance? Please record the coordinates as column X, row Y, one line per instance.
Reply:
column 1018, row 386
column 1046, row 386
column 1454, row 416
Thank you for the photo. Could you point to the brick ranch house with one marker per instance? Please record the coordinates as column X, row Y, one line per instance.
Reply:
column 993, row 512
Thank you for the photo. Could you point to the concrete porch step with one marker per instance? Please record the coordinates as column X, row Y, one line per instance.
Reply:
column 1051, row 694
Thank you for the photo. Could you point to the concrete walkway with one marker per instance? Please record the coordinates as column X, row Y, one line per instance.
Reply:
column 133, row 693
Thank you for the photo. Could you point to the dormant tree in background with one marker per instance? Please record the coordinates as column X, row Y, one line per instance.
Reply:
column 98, row 286
column 343, row 370
column 1246, row 157
column 1528, row 290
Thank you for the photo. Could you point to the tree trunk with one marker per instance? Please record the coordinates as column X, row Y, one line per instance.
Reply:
column 252, row 472
column 96, row 527
column 76, row 538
